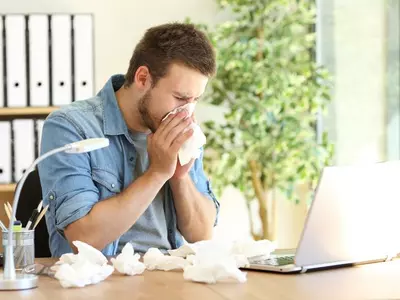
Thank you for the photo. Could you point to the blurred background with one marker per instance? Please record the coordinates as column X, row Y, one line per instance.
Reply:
column 357, row 43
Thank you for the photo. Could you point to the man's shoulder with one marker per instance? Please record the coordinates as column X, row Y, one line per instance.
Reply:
column 81, row 107
column 80, row 112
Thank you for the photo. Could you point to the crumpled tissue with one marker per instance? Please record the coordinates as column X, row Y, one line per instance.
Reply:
column 250, row 248
column 191, row 148
column 87, row 267
column 213, row 261
column 154, row 259
column 127, row 262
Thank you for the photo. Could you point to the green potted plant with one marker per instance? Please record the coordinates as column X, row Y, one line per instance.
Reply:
column 272, row 91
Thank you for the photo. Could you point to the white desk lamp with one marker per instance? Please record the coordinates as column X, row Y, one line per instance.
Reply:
column 9, row 280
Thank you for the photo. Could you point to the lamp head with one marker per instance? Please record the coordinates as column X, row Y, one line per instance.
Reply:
column 87, row 145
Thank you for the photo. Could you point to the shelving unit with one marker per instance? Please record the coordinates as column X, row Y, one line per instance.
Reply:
column 8, row 114
column 7, row 188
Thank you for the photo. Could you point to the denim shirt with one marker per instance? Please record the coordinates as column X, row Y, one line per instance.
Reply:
column 73, row 183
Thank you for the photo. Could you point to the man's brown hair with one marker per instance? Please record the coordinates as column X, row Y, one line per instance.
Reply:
column 172, row 43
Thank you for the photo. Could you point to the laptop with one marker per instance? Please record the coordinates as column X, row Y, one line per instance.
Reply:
column 353, row 219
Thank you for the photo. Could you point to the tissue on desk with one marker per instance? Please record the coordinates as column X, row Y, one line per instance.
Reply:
column 183, row 251
column 87, row 267
column 82, row 273
column 213, row 273
column 245, row 248
column 213, row 263
column 127, row 262
column 154, row 259
column 250, row 248
column 191, row 148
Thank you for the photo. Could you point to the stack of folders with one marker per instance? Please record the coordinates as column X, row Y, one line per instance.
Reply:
column 48, row 59
column 45, row 60
column 20, row 146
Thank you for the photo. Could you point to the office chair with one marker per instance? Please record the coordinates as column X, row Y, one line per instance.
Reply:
column 30, row 197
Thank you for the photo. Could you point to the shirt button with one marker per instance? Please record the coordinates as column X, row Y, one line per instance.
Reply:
column 51, row 197
column 112, row 185
column 131, row 159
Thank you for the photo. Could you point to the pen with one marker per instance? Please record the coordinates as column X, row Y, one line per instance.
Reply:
column 39, row 208
column 32, row 218
column 3, row 226
column 40, row 216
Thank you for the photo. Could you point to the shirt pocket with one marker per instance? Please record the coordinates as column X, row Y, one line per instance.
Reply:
column 107, row 183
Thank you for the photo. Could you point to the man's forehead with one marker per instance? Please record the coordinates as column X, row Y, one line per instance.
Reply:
column 185, row 80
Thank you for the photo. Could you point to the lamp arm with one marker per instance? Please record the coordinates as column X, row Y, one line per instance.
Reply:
column 9, row 267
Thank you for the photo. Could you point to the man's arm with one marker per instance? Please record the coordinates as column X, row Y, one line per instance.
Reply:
column 111, row 218
column 196, row 213
column 74, row 199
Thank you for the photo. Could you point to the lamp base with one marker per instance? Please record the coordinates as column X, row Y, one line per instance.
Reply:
column 21, row 282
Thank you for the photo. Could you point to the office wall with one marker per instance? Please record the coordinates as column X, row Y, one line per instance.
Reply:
column 353, row 47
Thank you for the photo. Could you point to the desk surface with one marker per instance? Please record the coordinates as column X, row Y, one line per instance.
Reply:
column 372, row 281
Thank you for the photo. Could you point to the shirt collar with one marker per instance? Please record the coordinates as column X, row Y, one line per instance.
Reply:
column 113, row 120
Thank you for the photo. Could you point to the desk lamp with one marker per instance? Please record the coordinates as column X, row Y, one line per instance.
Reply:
column 9, row 280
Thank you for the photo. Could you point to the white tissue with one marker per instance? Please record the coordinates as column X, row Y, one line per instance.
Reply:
column 82, row 273
column 90, row 253
column 213, row 261
column 214, row 273
column 213, row 266
column 183, row 251
column 250, row 248
column 89, row 266
column 127, row 262
column 154, row 259
column 191, row 148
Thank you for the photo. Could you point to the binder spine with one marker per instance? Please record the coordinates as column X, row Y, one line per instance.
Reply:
column 27, row 62
column 3, row 36
column 72, row 60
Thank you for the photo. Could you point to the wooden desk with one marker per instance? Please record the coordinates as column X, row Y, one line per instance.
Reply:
column 373, row 281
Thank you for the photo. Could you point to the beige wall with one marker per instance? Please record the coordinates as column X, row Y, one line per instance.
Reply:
column 359, row 65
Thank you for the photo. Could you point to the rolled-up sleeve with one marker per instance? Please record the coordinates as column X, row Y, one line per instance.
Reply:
column 203, row 184
column 66, row 179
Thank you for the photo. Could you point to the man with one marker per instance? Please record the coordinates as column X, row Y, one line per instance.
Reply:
column 135, row 190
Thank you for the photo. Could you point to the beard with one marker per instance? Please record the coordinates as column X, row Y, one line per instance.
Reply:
column 144, row 104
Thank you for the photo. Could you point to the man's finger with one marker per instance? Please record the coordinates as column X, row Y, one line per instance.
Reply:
column 164, row 124
column 178, row 142
column 171, row 122
column 176, row 131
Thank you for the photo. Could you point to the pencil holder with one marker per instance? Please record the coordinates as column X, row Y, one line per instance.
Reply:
column 24, row 247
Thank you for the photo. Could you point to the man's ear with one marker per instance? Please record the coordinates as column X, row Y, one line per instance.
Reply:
column 143, row 78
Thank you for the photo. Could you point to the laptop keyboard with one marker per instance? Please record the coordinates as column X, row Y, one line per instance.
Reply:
column 275, row 261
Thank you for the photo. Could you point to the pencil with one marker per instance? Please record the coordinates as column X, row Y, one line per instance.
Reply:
column 42, row 213
column 7, row 212
column 9, row 207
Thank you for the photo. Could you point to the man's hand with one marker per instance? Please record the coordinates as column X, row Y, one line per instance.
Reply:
column 164, row 144
column 181, row 171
